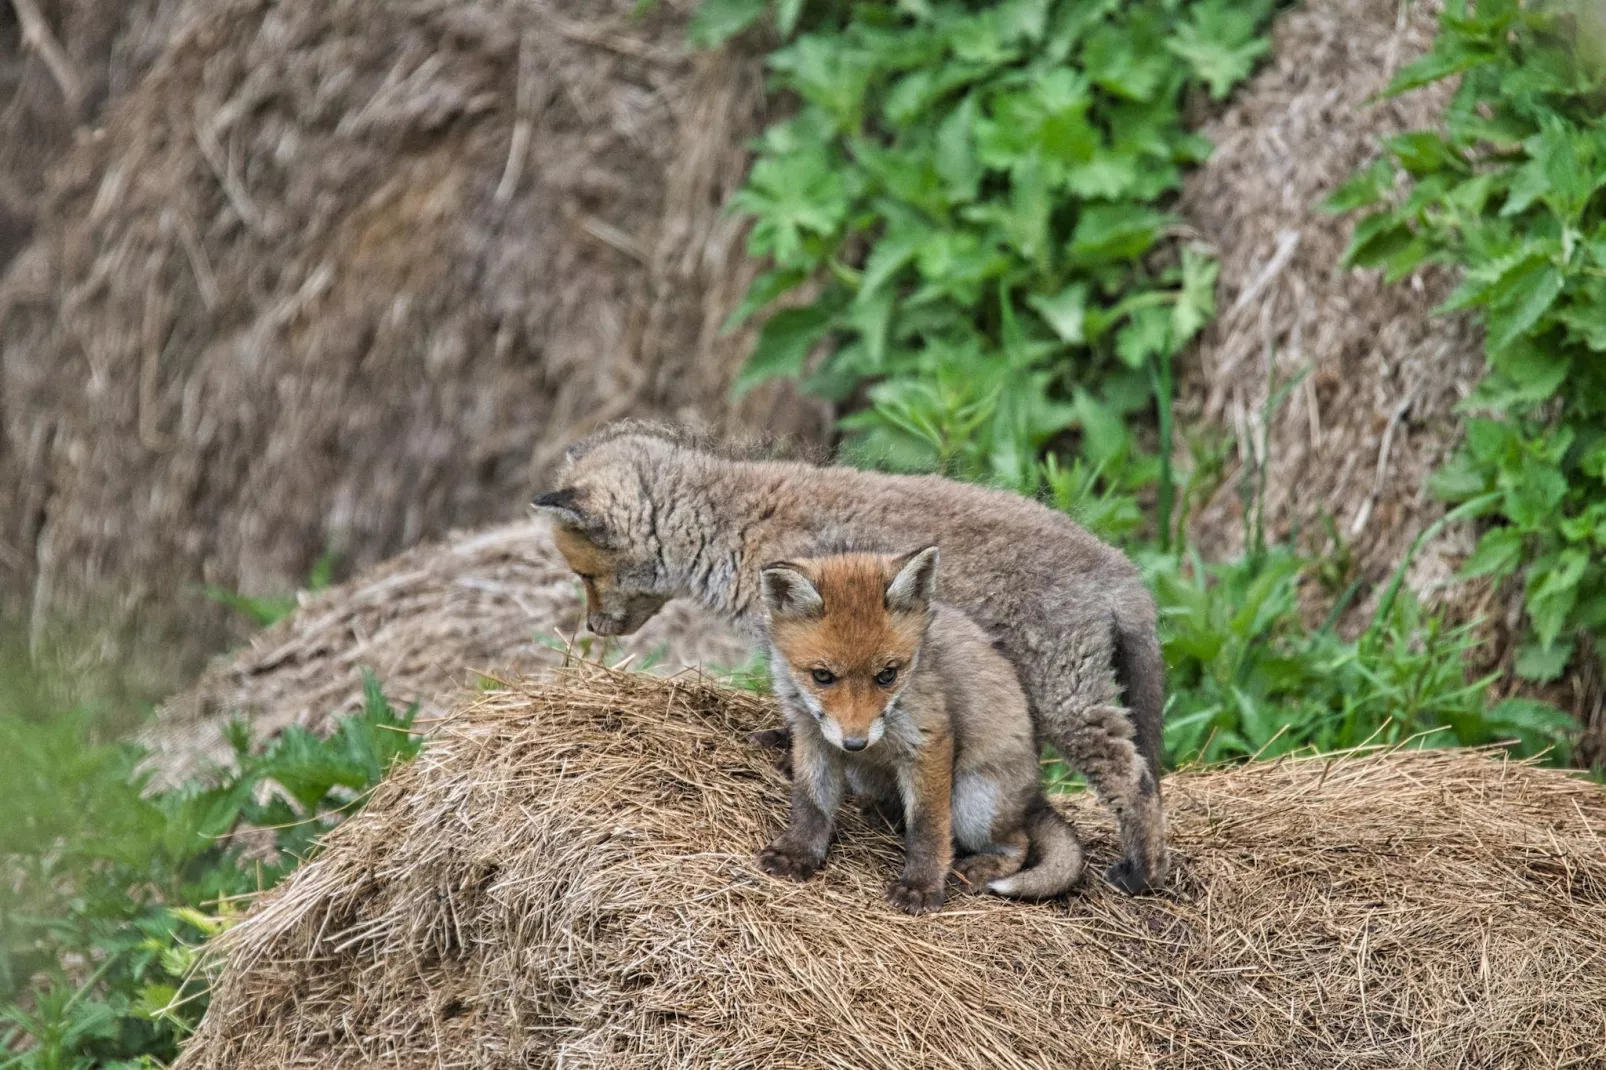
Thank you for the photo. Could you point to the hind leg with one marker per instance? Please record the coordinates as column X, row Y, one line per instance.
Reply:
column 1001, row 859
column 1097, row 741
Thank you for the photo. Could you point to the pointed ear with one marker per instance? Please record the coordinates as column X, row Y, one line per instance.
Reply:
column 915, row 585
column 790, row 594
column 562, row 506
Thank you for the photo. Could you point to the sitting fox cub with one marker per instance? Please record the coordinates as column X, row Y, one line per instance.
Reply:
column 895, row 697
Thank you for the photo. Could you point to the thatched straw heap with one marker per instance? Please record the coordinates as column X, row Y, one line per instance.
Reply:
column 60, row 60
column 565, row 878
column 338, row 272
column 426, row 623
column 1373, row 416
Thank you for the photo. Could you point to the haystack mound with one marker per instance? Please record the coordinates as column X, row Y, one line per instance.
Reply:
column 59, row 61
column 497, row 602
column 1356, row 439
column 350, row 273
column 565, row 878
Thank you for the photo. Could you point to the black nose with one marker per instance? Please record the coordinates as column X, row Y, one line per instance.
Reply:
column 855, row 744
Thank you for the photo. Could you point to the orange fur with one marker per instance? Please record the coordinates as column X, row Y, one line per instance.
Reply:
column 855, row 638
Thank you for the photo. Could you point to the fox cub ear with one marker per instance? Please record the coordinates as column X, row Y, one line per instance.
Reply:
column 789, row 593
column 562, row 506
column 915, row 585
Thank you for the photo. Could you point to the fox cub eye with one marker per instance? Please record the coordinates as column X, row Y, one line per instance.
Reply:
column 823, row 677
column 886, row 676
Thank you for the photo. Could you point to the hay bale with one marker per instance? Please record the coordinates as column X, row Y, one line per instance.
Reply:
column 566, row 877
column 59, row 62
column 495, row 602
column 1356, row 440
column 350, row 273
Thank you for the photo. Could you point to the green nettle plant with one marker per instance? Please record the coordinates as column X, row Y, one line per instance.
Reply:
column 978, row 190
column 1250, row 679
column 1511, row 192
column 108, row 889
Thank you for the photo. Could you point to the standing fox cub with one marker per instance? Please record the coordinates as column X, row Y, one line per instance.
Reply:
column 893, row 696
column 643, row 517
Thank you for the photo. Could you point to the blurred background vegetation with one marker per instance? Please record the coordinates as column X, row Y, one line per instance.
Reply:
column 965, row 243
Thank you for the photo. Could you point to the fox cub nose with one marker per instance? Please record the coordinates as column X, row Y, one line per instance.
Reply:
column 856, row 743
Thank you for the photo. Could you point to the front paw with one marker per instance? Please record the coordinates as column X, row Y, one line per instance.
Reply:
column 781, row 859
column 914, row 898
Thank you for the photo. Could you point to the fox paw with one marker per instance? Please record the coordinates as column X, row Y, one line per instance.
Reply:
column 1129, row 878
column 781, row 860
column 978, row 871
column 914, row 898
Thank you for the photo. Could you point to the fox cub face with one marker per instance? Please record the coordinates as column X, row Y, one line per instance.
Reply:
column 596, row 538
column 847, row 630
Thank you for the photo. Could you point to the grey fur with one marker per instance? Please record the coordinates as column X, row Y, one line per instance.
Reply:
column 1069, row 611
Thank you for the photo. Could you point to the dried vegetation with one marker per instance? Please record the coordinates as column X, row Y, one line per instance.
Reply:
column 565, row 877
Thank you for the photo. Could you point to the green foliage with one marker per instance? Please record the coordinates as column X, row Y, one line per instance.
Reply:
column 108, row 887
column 981, row 190
column 1512, row 193
column 1248, row 677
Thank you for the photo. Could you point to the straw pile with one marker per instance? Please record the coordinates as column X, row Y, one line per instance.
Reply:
column 59, row 61
column 565, row 878
column 1356, row 439
column 350, row 273
column 493, row 602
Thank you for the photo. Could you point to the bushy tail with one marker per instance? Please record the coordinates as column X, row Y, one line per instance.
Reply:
column 1058, row 855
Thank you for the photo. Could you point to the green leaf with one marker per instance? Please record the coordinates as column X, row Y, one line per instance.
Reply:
column 1533, row 493
column 955, row 157
column 1220, row 43
column 830, row 74
column 1108, row 176
column 1445, row 61
column 1115, row 233
column 1458, row 480
column 1530, row 298
column 1377, row 238
column 1424, row 153
column 717, row 21
column 1498, row 554
column 783, row 346
column 1196, row 304
column 1536, row 372
column 1147, row 334
column 1542, row 664
column 1104, row 436
column 1364, row 189
column 1064, row 312
column 1552, row 590
column 1113, row 60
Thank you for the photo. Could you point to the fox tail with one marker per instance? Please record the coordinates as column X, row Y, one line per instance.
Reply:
column 1058, row 858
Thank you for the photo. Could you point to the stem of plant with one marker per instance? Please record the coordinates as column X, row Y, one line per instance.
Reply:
column 1166, row 501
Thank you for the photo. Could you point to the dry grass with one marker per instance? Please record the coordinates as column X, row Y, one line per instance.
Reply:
column 1373, row 416
column 352, row 273
column 500, row 600
column 565, row 878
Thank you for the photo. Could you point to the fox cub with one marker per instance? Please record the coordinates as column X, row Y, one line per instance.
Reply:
column 643, row 516
column 891, row 695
